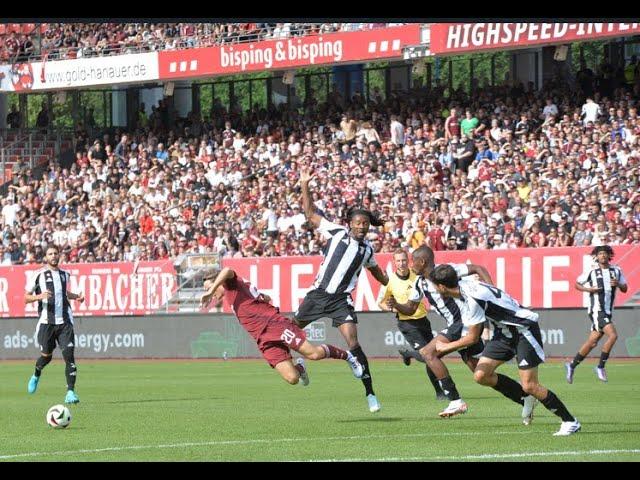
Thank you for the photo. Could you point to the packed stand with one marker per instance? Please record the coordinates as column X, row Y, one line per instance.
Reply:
column 76, row 40
column 502, row 168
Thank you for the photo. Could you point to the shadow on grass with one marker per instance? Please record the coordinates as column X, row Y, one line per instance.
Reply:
column 371, row 419
column 159, row 400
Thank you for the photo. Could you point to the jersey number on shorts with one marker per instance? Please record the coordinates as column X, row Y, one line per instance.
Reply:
column 288, row 336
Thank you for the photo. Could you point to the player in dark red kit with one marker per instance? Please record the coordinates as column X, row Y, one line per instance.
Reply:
column 275, row 334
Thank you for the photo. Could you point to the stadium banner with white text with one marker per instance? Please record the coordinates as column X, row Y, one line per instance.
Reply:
column 122, row 288
column 304, row 51
column 538, row 278
column 79, row 72
column 221, row 336
column 454, row 38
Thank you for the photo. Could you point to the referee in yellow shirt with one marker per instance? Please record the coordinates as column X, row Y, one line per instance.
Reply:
column 416, row 328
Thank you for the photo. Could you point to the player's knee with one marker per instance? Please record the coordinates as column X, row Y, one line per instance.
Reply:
column 530, row 388
column 429, row 355
column 316, row 354
column 292, row 378
column 481, row 377
column 613, row 337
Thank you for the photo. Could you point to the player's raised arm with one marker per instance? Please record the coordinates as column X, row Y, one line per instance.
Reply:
column 307, row 204
column 212, row 284
column 482, row 272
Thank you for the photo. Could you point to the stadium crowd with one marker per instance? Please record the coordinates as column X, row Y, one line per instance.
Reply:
column 75, row 40
column 504, row 167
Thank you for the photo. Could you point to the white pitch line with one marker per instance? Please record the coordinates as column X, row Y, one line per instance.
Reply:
column 255, row 441
column 486, row 456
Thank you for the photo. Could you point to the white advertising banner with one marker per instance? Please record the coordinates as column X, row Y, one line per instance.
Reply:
column 80, row 72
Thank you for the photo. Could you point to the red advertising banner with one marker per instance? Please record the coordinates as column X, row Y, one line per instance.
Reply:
column 538, row 278
column 447, row 38
column 109, row 288
column 305, row 51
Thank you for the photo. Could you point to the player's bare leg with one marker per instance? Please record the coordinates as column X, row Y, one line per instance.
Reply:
column 289, row 372
column 318, row 352
column 349, row 332
column 611, row 337
column 456, row 404
column 532, row 386
column 471, row 362
column 587, row 346
column 485, row 374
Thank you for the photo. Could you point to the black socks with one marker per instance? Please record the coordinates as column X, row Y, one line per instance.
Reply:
column 555, row 406
column 366, row 375
column 576, row 360
column 434, row 382
column 449, row 389
column 510, row 389
column 70, row 368
column 603, row 358
column 41, row 363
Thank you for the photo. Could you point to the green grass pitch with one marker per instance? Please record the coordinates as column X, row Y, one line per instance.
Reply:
column 242, row 411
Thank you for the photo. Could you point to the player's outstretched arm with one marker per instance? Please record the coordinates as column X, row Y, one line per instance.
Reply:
column 408, row 308
column 379, row 274
column 307, row 204
column 472, row 337
column 482, row 272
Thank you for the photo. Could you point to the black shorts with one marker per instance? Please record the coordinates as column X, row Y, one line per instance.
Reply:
column 454, row 332
column 599, row 320
column 525, row 345
column 48, row 335
column 416, row 332
column 319, row 304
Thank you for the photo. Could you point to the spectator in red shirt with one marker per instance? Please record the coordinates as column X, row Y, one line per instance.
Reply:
column 436, row 237
column 146, row 222
column 452, row 125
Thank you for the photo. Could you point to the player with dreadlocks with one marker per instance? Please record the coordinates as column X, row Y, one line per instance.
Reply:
column 345, row 253
column 601, row 284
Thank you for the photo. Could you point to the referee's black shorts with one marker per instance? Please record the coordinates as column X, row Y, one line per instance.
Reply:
column 416, row 332
column 49, row 334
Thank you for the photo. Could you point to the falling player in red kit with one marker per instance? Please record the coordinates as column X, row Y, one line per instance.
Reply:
column 275, row 334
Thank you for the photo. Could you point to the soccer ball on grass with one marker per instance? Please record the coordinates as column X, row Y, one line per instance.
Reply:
column 59, row 416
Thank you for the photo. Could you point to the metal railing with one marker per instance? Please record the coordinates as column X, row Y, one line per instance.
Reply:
column 207, row 39
column 190, row 269
column 5, row 154
column 23, row 147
